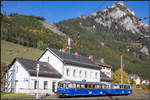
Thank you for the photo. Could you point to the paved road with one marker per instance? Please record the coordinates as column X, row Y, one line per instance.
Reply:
column 130, row 97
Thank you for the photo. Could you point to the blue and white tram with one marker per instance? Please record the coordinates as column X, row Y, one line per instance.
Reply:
column 118, row 89
column 78, row 88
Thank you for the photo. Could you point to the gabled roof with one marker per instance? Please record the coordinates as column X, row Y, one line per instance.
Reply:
column 101, row 64
column 104, row 77
column 135, row 76
column 73, row 59
column 46, row 70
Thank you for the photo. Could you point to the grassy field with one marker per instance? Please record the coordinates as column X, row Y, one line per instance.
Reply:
column 10, row 50
column 15, row 95
column 140, row 91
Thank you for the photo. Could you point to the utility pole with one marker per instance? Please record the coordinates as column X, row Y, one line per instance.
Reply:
column 121, row 71
column 37, row 80
column 69, row 46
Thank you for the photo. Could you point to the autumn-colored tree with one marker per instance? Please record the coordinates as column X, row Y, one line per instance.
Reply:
column 117, row 77
column 40, row 45
column 3, row 70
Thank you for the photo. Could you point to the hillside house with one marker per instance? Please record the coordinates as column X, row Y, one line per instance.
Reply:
column 136, row 78
column 105, row 68
column 54, row 66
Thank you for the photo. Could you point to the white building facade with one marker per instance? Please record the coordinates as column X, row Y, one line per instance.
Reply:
column 71, row 71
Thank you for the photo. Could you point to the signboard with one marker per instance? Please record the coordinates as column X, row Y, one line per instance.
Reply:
column 25, row 80
column 83, row 80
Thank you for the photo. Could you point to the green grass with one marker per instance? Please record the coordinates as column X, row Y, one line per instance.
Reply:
column 15, row 95
column 10, row 50
column 140, row 91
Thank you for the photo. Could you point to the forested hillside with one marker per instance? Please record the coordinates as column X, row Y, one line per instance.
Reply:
column 29, row 31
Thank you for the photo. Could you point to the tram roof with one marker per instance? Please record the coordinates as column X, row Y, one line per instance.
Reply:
column 118, row 84
column 79, row 82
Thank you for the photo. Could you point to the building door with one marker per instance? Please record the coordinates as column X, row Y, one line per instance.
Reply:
column 15, row 88
column 53, row 87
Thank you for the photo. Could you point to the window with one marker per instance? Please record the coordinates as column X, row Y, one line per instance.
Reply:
column 70, row 86
column 45, row 84
column 94, row 86
column 85, row 74
column 67, row 71
column 100, row 86
column 103, row 86
column 35, row 84
column 78, row 85
column 74, row 72
column 80, row 73
column 97, row 86
column 116, row 87
column 96, row 75
column 91, row 75
column 17, row 69
column 60, row 85
column 86, row 86
column 82, row 86
column 53, row 86
column 74, row 85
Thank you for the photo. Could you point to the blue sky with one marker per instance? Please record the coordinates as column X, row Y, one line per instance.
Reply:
column 55, row 11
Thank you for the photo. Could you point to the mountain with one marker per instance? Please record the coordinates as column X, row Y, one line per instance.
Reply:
column 121, row 16
column 116, row 28
column 103, row 34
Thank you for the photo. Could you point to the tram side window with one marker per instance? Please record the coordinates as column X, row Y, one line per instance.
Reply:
column 94, row 86
column 90, row 86
column 107, row 86
column 116, row 87
column 103, row 86
column 82, row 86
column 112, row 86
column 77, row 86
column 70, row 86
column 100, row 86
column 74, row 85
column 61, row 85
column 86, row 86
column 120, row 87
column 97, row 86
column 127, row 87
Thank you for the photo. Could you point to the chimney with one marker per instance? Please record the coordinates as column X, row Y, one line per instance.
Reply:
column 63, row 50
column 91, row 58
column 102, row 60
column 76, row 53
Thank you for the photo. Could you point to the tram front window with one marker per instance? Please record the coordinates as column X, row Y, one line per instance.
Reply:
column 62, row 85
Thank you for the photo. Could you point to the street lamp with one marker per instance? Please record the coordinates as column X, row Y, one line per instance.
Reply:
column 121, row 70
column 37, row 80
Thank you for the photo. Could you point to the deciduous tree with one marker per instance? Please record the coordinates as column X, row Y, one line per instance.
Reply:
column 117, row 77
